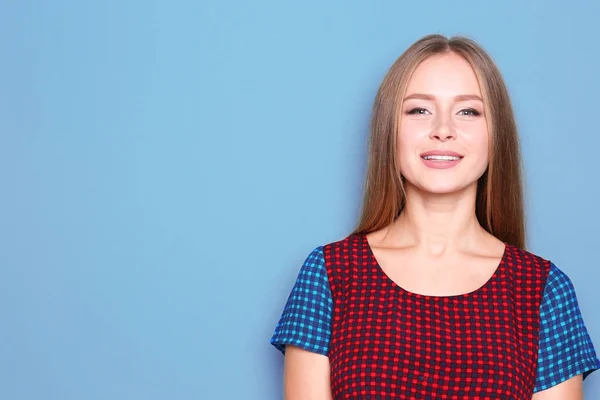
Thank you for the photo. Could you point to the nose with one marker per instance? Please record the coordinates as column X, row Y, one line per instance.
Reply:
column 442, row 129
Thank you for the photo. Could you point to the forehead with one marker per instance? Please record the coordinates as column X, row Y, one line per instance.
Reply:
column 444, row 75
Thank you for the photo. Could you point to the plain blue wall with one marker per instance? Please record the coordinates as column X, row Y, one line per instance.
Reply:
column 166, row 166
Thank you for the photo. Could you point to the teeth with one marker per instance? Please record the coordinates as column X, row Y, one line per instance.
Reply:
column 442, row 158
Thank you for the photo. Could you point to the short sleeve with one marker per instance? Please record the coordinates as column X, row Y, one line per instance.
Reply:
column 306, row 318
column 565, row 347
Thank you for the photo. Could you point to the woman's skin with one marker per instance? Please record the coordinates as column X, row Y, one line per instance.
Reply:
column 436, row 246
column 306, row 375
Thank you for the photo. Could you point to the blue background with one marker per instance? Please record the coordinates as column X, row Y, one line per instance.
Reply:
column 166, row 166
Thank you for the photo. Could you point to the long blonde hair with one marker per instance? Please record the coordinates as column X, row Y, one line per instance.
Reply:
column 499, row 203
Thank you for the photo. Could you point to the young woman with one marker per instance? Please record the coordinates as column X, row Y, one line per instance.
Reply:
column 433, row 295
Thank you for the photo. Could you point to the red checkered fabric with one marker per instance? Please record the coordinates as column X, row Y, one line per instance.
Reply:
column 389, row 343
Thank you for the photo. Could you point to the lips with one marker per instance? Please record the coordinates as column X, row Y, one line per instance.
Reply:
column 441, row 153
column 441, row 159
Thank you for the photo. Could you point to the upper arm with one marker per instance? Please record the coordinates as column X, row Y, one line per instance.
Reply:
column 303, row 332
column 306, row 375
column 571, row 389
column 566, row 354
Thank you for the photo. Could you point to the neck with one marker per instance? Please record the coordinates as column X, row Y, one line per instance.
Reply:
column 438, row 222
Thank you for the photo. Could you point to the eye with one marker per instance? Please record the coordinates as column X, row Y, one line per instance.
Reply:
column 418, row 111
column 469, row 112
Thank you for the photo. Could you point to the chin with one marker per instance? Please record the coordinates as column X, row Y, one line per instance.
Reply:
column 442, row 188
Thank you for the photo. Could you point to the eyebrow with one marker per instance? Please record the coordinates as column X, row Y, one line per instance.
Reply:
column 460, row 97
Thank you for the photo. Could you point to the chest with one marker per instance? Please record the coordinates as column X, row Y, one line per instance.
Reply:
column 389, row 344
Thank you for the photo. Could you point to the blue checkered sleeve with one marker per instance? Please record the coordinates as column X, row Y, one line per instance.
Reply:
column 565, row 347
column 306, row 318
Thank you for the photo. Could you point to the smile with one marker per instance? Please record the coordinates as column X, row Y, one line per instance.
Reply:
column 442, row 158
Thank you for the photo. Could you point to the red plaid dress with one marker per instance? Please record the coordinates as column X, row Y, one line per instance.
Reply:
column 384, row 342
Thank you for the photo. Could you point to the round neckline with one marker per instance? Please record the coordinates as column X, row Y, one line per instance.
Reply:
column 396, row 286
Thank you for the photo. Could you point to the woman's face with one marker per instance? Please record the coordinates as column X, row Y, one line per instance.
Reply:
column 443, row 136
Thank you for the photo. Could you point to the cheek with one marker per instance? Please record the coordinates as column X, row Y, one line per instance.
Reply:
column 479, row 146
column 406, row 150
column 411, row 135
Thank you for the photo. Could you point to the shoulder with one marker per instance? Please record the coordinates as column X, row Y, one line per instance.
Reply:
column 320, row 255
column 343, row 245
column 326, row 260
column 559, row 291
column 340, row 254
column 555, row 279
column 527, row 266
column 337, row 258
column 526, row 258
column 558, row 279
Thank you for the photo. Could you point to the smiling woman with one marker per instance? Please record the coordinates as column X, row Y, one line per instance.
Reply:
column 433, row 295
